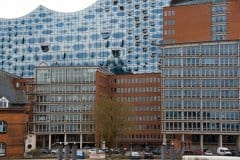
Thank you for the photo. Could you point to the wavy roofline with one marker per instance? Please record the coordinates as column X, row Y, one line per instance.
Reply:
column 50, row 10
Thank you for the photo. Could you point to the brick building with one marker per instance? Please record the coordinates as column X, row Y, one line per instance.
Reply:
column 196, row 21
column 13, row 118
column 143, row 93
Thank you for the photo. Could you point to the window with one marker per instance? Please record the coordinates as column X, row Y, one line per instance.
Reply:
column 169, row 13
column 45, row 48
column 4, row 102
column 3, row 127
column 2, row 149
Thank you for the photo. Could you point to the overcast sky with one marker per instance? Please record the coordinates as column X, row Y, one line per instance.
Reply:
column 18, row 8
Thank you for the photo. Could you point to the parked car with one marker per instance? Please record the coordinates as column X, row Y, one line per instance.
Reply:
column 223, row 151
column 235, row 153
column 45, row 150
column 156, row 151
column 148, row 155
column 187, row 152
column 197, row 152
column 92, row 151
column 135, row 155
column 80, row 154
column 55, row 150
column 207, row 152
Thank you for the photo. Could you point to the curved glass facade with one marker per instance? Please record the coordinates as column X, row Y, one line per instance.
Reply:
column 125, row 31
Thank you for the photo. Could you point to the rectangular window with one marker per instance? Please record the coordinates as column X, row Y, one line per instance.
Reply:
column 2, row 149
column 3, row 127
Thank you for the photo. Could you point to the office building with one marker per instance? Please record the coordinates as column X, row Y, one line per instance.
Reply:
column 142, row 92
column 200, row 68
column 120, row 32
column 201, row 92
column 66, row 98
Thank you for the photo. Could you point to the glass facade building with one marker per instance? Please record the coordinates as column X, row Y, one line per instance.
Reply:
column 201, row 89
column 125, row 31
column 65, row 100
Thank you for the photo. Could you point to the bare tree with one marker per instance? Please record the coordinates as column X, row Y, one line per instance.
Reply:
column 112, row 120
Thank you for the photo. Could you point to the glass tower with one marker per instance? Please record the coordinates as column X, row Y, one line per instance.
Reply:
column 123, row 33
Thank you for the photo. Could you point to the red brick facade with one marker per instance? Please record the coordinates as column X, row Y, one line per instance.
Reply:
column 16, row 120
column 143, row 92
column 193, row 23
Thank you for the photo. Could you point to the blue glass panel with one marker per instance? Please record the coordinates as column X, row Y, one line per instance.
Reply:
column 41, row 40
column 153, row 60
column 42, row 14
column 130, row 56
column 82, row 55
column 156, row 11
column 107, row 3
column 122, row 26
column 130, row 38
column 137, row 13
column 32, row 40
column 56, row 48
column 120, row 14
column 99, row 10
column 47, row 57
column 29, row 49
column 145, row 42
column 115, row 9
column 47, row 32
column 130, row 25
column 97, row 45
column 153, row 48
column 36, row 20
column 103, row 54
column 118, row 35
column 156, row 35
column 69, row 38
column 137, row 49
column 95, row 36
column 60, row 24
column 36, row 57
column 152, row 30
column 36, row 49
column 114, row 21
column 90, row 16
column 46, row 20
column 39, row 26
column 59, row 38
column 152, row 16
column 29, row 21
column 130, row 19
column 78, row 47
column 145, row 5
column 82, row 29
column 122, row 1
column 78, row 37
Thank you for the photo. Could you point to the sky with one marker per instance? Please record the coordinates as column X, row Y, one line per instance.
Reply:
column 19, row 8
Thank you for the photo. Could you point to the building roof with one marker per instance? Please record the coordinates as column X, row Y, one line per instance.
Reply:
column 189, row 2
column 8, row 90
